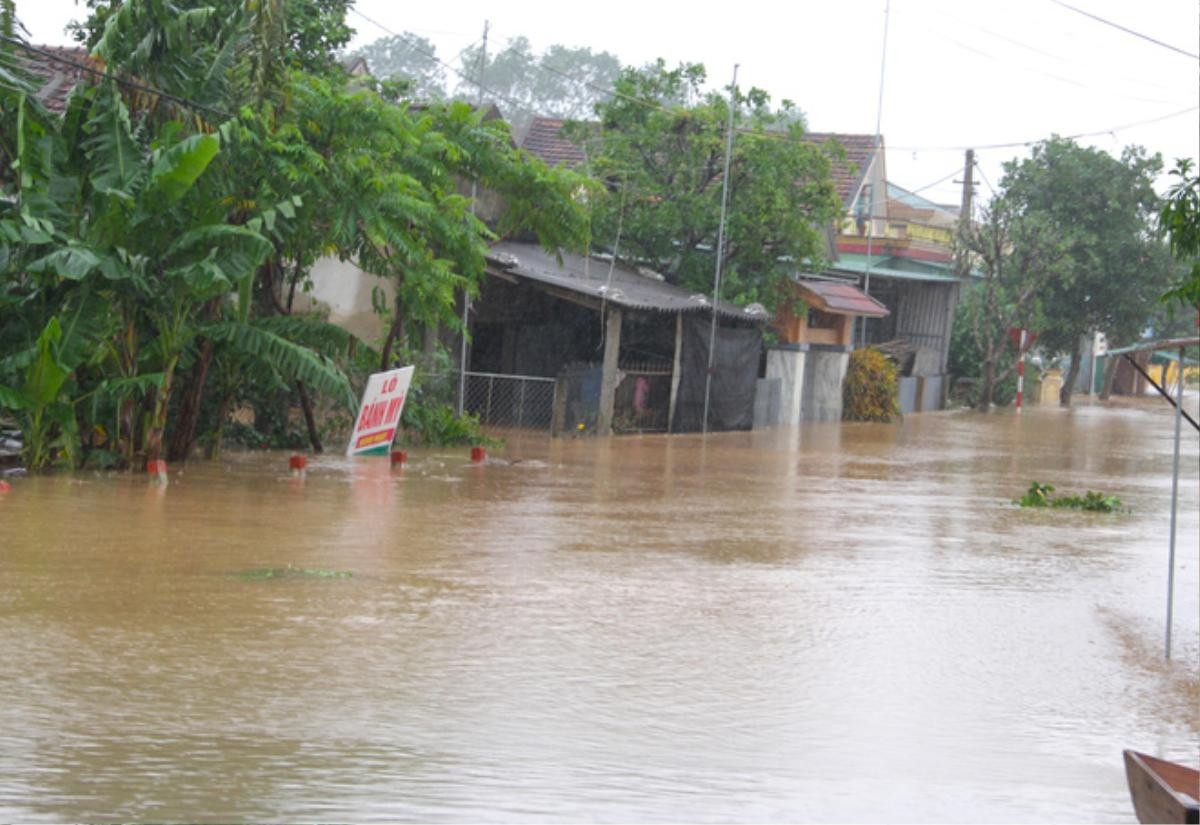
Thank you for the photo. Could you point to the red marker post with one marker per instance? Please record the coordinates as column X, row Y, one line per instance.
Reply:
column 478, row 455
column 297, row 463
column 399, row 457
column 158, row 469
column 1023, row 339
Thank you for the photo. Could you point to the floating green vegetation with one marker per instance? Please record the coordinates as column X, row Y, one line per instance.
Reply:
column 292, row 572
column 1038, row 495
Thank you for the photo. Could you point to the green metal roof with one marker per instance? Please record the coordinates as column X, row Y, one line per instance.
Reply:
column 889, row 266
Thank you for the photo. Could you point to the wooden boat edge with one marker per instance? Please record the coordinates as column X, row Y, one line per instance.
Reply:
column 1162, row 791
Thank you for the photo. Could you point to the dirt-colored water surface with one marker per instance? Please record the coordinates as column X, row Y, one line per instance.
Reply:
column 844, row 623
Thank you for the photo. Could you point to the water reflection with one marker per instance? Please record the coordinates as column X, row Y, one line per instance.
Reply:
column 839, row 623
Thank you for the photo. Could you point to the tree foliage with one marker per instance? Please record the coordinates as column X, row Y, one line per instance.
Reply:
column 659, row 148
column 562, row 82
column 1179, row 221
column 1103, row 209
column 149, row 240
column 409, row 58
column 1017, row 255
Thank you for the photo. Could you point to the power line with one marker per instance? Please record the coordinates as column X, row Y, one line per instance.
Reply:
column 1126, row 30
column 1025, row 143
column 942, row 179
column 991, row 188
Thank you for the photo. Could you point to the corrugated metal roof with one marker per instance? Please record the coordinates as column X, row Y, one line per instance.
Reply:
column 841, row 299
column 627, row 287
column 852, row 264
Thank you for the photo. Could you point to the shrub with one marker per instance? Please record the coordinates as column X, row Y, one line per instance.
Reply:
column 871, row 390
column 437, row 425
column 1038, row 495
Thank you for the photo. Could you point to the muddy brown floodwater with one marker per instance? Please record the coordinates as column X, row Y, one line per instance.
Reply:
column 847, row 623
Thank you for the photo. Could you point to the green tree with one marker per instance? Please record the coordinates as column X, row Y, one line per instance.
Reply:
column 1179, row 220
column 562, row 82
column 1103, row 208
column 409, row 58
column 168, row 237
column 660, row 147
column 1017, row 256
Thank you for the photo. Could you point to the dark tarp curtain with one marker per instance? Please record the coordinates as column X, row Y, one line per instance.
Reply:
column 735, row 372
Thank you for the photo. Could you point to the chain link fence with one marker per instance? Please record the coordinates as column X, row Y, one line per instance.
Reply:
column 511, row 401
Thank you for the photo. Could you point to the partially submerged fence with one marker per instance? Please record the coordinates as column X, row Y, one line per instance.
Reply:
column 511, row 401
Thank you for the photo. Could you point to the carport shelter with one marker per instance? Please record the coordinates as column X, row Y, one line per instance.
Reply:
column 551, row 316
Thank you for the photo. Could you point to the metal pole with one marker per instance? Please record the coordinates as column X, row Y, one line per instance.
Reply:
column 712, row 337
column 462, row 360
column 1174, row 503
column 887, row 16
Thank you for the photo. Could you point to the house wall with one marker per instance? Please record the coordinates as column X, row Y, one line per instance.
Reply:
column 344, row 291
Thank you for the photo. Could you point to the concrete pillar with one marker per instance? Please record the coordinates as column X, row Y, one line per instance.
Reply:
column 676, row 370
column 825, row 372
column 608, row 378
column 788, row 366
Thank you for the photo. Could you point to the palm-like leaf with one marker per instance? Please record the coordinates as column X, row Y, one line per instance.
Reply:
column 177, row 168
column 285, row 357
column 112, row 147
column 211, row 259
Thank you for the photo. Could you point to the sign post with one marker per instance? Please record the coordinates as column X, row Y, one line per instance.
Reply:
column 379, row 413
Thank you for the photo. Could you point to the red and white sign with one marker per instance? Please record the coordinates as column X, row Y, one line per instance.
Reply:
column 379, row 414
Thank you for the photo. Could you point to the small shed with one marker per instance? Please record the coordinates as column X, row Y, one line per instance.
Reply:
column 831, row 309
column 641, row 341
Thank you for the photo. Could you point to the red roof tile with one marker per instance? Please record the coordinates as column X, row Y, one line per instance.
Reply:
column 57, row 77
column 848, row 173
column 542, row 140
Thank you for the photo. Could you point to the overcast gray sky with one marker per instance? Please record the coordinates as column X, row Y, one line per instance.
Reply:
column 956, row 75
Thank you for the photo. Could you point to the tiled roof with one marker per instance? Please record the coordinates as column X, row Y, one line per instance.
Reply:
column 841, row 299
column 848, row 173
column 543, row 141
column 625, row 287
column 57, row 77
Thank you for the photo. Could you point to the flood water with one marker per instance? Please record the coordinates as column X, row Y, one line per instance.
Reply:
column 847, row 623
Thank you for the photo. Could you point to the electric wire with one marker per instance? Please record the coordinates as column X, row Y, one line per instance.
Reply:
column 1146, row 37
column 1112, row 130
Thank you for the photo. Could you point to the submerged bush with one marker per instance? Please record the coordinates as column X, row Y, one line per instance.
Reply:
column 871, row 391
column 438, row 425
column 1038, row 495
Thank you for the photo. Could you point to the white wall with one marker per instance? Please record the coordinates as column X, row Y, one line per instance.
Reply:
column 345, row 291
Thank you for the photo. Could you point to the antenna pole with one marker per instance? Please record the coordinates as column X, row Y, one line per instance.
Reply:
column 712, row 336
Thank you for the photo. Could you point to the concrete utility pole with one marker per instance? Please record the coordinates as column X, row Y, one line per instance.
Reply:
column 964, row 215
column 712, row 335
